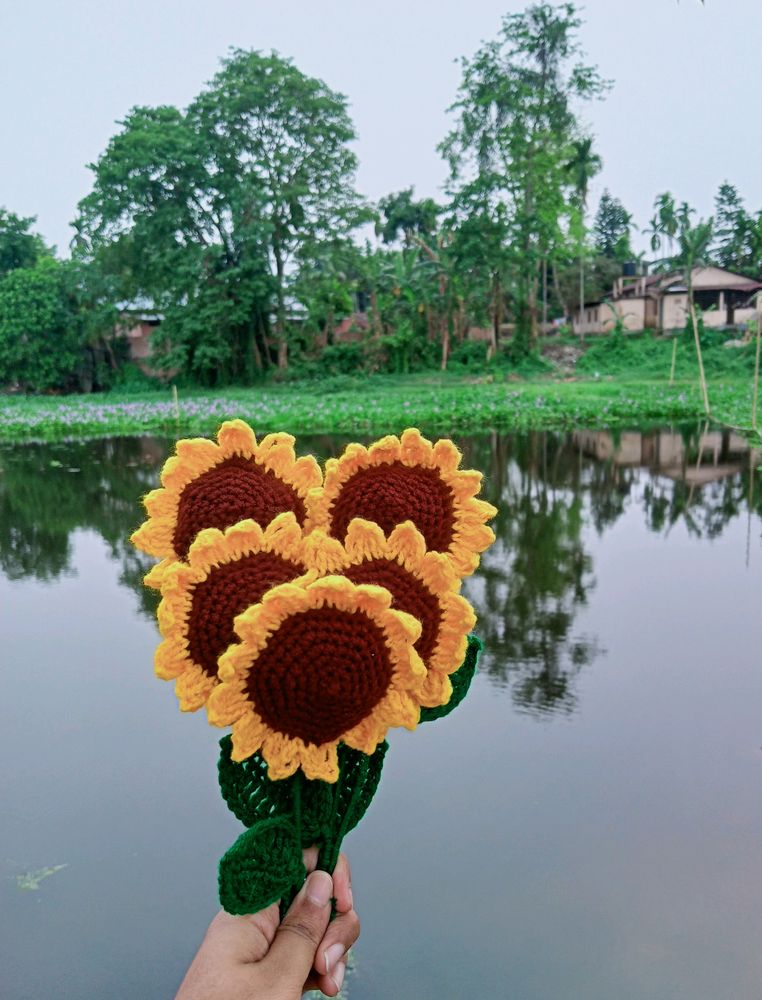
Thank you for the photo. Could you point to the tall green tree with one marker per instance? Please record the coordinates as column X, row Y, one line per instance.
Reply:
column 405, row 217
column 515, row 125
column 612, row 229
column 213, row 211
column 41, row 340
column 735, row 232
column 664, row 226
column 19, row 246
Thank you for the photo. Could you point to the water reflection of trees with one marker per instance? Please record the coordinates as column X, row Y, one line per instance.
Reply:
column 47, row 492
column 532, row 585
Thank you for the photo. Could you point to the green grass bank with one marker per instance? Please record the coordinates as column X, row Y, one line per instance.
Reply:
column 612, row 384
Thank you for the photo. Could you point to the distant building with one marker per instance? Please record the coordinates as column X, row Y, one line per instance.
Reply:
column 660, row 302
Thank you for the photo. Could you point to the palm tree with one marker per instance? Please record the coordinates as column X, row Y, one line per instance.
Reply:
column 582, row 166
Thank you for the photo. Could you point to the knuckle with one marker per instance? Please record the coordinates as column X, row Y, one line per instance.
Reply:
column 302, row 928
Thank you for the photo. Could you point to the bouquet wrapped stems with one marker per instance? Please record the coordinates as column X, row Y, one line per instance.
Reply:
column 311, row 610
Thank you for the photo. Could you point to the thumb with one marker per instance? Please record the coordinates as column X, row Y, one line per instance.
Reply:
column 292, row 953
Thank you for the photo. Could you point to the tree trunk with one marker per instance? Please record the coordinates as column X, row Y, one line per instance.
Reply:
column 445, row 343
column 532, row 312
column 282, row 354
column 280, row 319
column 496, row 316
column 559, row 296
column 375, row 315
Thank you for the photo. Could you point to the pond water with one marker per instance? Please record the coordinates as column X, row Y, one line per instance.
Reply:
column 587, row 825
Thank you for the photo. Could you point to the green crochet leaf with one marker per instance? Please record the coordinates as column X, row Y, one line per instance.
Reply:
column 253, row 797
column 460, row 680
column 358, row 783
column 264, row 865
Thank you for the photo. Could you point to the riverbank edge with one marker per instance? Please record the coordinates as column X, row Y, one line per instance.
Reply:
column 474, row 407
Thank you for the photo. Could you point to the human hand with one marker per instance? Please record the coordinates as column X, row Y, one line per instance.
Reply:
column 260, row 957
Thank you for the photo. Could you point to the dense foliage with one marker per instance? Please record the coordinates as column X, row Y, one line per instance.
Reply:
column 236, row 223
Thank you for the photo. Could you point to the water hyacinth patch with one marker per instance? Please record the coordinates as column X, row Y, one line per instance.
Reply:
column 448, row 406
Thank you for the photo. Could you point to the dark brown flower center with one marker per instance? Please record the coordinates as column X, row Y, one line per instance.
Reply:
column 230, row 492
column 409, row 593
column 227, row 591
column 391, row 493
column 322, row 672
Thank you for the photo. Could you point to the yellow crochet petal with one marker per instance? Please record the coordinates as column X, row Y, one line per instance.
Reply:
column 467, row 484
column 159, row 503
column 170, row 660
column 364, row 540
column 446, row 456
column 153, row 537
column 407, row 542
column 414, row 448
column 436, row 690
column 155, row 575
column 322, row 553
column 319, row 763
column 227, row 704
column 410, row 627
column 248, row 733
column 192, row 688
column 386, row 449
column 196, row 455
column 365, row 737
column 307, row 474
column 235, row 437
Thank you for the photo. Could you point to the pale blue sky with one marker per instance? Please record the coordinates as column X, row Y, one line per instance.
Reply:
column 683, row 115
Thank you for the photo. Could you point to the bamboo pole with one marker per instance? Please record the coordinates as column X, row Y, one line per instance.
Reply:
column 176, row 403
column 756, row 366
column 702, row 377
column 674, row 358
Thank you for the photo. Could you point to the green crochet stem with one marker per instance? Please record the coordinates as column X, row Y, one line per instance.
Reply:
column 283, row 817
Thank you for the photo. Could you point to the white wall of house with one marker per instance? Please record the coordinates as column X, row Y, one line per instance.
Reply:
column 674, row 311
column 632, row 311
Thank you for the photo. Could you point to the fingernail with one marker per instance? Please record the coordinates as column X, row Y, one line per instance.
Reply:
column 319, row 888
column 338, row 975
column 332, row 955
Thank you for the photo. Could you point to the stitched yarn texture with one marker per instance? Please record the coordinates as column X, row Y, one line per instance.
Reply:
column 322, row 672
column 227, row 591
column 408, row 593
column 236, row 489
column 391, row 493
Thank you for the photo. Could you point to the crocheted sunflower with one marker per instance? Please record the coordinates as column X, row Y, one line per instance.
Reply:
column 225, row 573
column 407, row 478
column 215, row 485
column 319, row 663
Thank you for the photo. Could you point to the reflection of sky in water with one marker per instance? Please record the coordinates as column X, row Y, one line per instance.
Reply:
column 613, row 850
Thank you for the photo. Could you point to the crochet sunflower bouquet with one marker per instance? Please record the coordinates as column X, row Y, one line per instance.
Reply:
column 311, row 614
